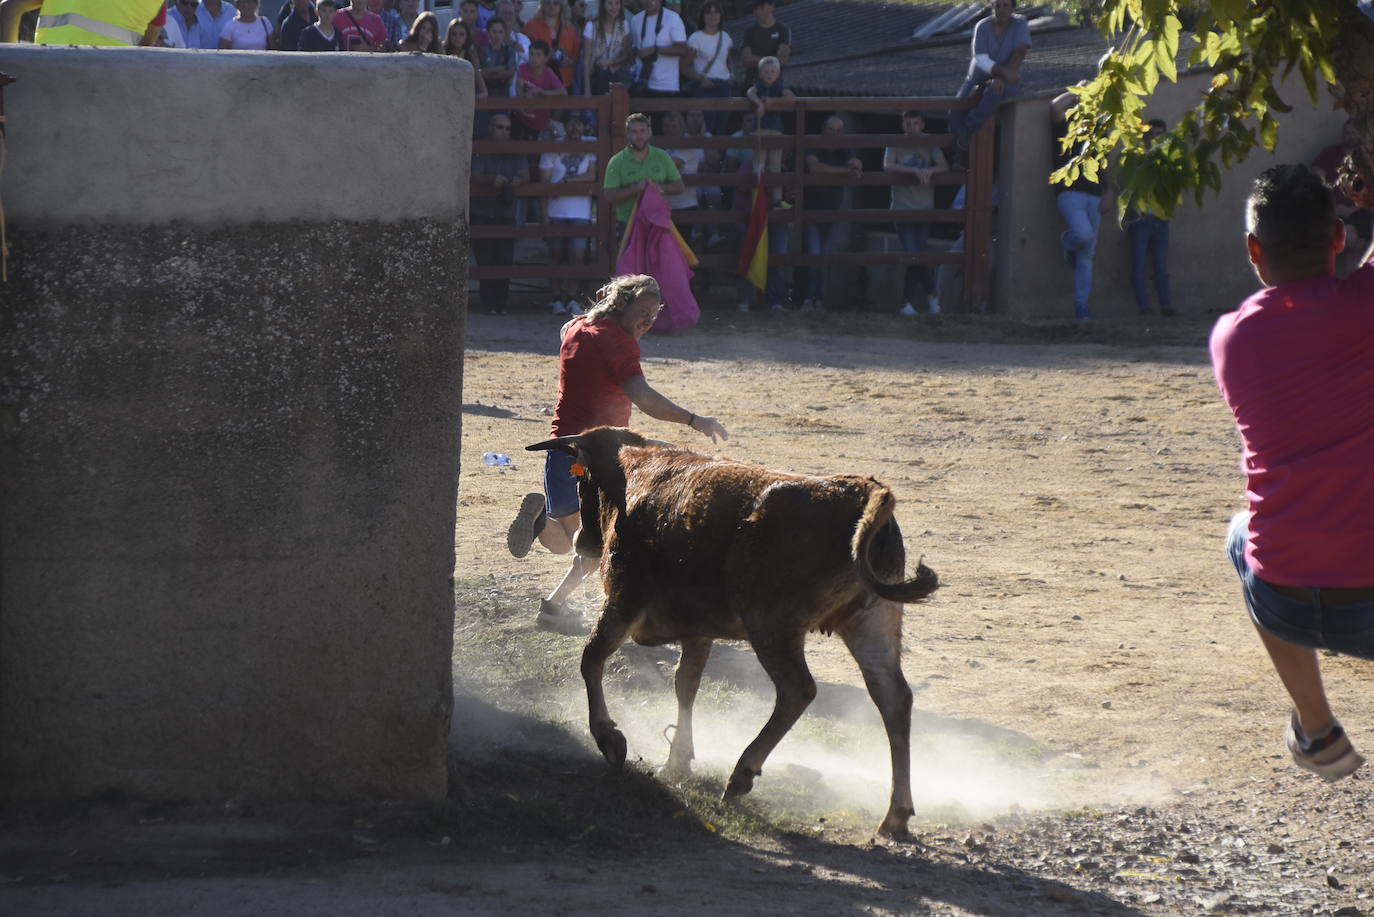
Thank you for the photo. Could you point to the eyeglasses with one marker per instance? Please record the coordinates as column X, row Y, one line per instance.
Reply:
column 499, row 127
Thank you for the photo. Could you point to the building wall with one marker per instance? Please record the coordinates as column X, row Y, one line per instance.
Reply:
column 1207, row 261
column 230, row 396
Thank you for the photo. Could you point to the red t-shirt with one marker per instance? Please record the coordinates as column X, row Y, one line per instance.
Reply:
column 593, row 362
column 369, row 25
column 1295, row 364
column 547, row 79
column 562, row 38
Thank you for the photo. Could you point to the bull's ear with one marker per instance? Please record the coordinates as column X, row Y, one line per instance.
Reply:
column 566, row 444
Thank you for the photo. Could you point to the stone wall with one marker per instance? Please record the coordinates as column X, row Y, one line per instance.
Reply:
column 230, row 405
column 1208, row 264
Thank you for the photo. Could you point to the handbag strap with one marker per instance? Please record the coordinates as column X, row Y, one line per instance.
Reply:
column 720, row 40
column 358, row 26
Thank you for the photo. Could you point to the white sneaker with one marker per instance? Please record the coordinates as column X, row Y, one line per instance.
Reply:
column 907, row 309
column 808, row 305
column 777, row 307
column 556, row 307
column 934, row 303
column 573, row 308
column 744, row 307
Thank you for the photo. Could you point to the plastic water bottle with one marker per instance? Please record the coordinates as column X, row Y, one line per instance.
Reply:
column 495, row 458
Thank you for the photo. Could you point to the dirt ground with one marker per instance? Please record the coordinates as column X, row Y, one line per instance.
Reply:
column 1097, row 730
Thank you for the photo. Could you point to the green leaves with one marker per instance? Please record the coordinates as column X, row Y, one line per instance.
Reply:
column 1248, row 45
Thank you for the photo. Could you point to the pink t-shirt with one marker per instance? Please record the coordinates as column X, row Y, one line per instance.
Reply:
column 547, row 79
column 1295, row 364
column 347, row 24
column 593, row 362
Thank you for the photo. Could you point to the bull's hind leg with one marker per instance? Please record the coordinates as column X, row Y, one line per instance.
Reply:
column 695, row 652
column 784, row 659
column 608, row 637
column 874, row 637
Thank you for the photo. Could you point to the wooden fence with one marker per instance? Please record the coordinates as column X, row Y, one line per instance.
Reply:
column 611, row 111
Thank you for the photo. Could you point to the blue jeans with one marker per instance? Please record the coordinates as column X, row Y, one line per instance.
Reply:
column 820, row 239
column 1345, row 629
column 914, row 237
column 1150, row 238
column 1082, row 212
column 966, row 123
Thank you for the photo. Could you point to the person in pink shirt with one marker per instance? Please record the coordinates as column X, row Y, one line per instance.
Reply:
column 360, row 29
column 1295, row 364
column 536, row 78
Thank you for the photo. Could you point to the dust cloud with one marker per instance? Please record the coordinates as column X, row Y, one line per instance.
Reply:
column 833, row 764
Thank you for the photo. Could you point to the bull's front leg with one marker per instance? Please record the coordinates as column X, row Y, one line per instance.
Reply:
column 874, row 638
column 608, row 637
column 695, row 652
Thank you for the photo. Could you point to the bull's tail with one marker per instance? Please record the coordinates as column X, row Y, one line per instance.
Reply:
column 877, row 513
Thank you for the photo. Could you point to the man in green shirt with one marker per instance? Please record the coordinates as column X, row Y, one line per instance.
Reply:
column 632, row 169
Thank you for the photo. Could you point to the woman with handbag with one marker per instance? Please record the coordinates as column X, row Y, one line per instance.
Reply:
column 248, row 31
column 707, row 68
column 607, row 40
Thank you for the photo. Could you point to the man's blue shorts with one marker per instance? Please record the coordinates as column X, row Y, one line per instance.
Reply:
column 560, row 487
column 1348, row 628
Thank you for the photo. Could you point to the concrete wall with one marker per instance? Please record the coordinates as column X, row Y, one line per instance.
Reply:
column 230, row 395
column 1209, row 269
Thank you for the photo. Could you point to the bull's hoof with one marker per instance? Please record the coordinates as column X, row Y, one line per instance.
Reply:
column 741, row 782
column 895, row 826
column 612, row 744
column 676, row 770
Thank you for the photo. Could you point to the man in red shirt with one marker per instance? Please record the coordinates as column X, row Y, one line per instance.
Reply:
column 1295, row 364
column 599, row 379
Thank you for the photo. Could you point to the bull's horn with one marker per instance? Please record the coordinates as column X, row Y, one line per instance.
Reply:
column 566, row 444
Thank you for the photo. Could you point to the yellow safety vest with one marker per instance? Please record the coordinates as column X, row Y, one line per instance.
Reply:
column 94, row 22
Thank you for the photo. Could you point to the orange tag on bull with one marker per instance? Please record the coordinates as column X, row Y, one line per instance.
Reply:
column 577, row 470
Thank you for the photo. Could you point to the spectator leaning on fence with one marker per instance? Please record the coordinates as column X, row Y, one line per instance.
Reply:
column 765, row 38
column 636, row 166
column 660, row 40
column 1000, row 44
column 533, row 79
column 1149, row 237
column 821, row 237
column 503, row 173
column 921, row 163
column 768, row 89
column 1081, row 204
column 579, row 170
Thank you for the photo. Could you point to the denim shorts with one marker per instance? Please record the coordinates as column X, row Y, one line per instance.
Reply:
column 1345, row 629
column 560, row 487
column 579, row 243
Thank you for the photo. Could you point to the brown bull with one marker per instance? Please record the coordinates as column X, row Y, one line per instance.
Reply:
column 695, row 548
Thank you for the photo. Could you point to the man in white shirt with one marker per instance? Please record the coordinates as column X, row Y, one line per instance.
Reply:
column 660, row 41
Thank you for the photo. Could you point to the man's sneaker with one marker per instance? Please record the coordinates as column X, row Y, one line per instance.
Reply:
column 933, row 302
column 557, row 308
column 573, row 308
column 527, row 524
column 907, row 309
column 560, row 619
column 743, row 307
column 1330, row 756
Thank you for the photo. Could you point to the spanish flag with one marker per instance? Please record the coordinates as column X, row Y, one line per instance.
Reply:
column 753, row 255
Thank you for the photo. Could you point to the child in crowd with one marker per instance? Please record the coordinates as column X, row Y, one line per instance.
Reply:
column 769, row 86
column 321, row 36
